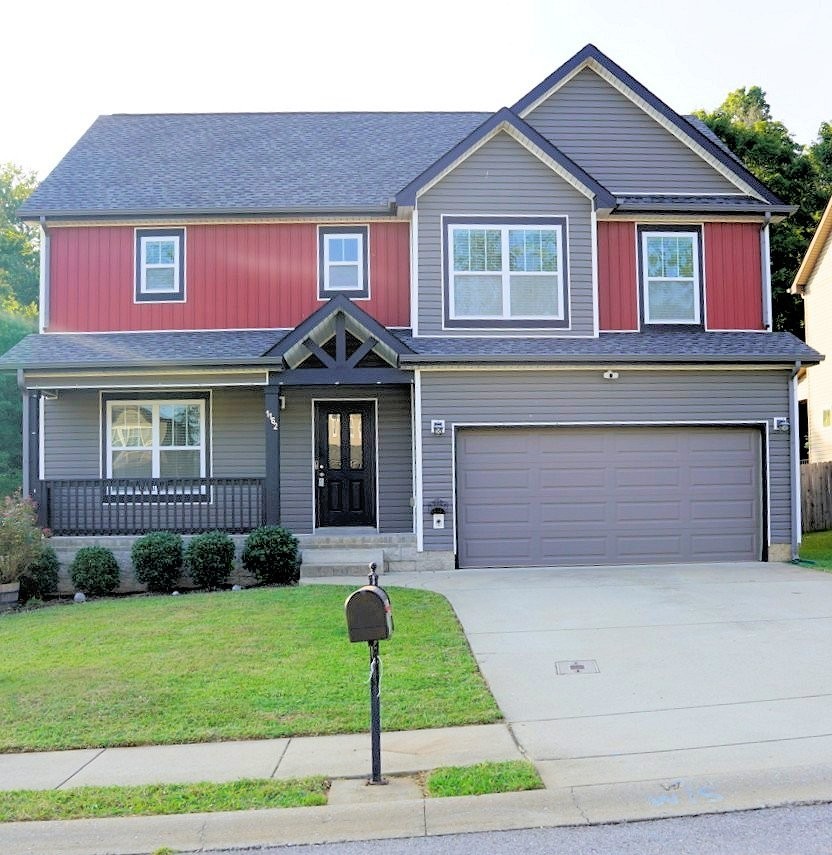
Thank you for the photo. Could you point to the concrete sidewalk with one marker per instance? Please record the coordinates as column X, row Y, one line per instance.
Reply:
column 403, row 752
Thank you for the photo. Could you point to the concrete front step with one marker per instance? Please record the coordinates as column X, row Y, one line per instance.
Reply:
column 335, row 561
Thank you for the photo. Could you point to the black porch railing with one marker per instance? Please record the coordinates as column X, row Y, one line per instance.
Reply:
column 106, row 506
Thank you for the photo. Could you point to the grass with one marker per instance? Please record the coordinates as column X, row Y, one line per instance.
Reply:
column 508, row 777
column 817, row 547
column 268, row 662
column 155, row 799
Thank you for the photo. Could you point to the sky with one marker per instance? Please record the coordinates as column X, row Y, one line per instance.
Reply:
column 69, row 61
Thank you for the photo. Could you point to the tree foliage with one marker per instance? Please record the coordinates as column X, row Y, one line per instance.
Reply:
column 799, row 176
column 19, row 251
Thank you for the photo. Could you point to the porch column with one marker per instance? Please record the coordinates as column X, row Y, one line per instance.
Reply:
column 32, row 485
column 271, row 398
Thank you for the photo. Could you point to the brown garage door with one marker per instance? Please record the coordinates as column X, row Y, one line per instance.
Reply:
column 562, row 496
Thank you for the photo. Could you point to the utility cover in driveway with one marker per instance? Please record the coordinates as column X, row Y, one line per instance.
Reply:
column 614, row 495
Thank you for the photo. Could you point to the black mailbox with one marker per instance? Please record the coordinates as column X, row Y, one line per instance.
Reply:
column 369, row 617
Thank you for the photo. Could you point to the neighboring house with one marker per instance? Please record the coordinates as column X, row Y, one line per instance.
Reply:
column 552, row 323
column 813, row 282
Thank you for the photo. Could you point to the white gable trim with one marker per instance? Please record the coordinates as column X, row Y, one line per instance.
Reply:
column 517, row 136
column 654, row 114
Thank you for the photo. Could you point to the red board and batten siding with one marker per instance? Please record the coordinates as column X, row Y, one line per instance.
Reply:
column 733, row 276
column 238, row 276
column 617, row 277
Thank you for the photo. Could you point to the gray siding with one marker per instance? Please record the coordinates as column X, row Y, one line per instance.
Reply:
column 617, row 143
column 527, row 397
column 72, row 447
column 395, row 461
column 503, row 178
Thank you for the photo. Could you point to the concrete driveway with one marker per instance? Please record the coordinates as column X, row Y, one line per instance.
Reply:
column 703, row 670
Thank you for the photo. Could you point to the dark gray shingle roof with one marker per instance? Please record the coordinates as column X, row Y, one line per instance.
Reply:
column 245, row 162
column 647, row 346
column 699, row 204
column 56, row 351
column 74, row 350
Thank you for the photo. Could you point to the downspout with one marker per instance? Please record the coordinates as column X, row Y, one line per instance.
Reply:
column 797, row 522
column 24, row 393
column 44, row 276
column 765, row 267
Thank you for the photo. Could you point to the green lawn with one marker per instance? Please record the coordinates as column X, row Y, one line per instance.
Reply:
column 266, row 662
column 154, row 799
column 817, row 547
column 509, row 776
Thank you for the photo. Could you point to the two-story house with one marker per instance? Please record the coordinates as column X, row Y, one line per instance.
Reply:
column 539, row 337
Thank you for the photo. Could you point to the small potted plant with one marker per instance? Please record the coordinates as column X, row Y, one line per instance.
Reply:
column 21, row 545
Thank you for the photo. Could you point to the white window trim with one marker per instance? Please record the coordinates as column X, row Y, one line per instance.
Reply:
column 155, row 447
column 177, row 285
column 359, row 264
column 505, row 273
column 697, row 277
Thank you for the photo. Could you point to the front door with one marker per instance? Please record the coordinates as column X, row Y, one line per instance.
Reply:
column 345, row 464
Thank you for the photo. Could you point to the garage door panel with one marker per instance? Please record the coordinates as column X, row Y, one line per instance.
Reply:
column 561, row 496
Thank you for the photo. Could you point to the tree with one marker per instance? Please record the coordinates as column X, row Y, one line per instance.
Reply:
column 19, row 251
column 744, row 122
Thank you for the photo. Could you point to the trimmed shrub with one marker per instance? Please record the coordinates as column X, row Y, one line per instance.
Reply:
column 157, row 560
column 209, row 559
column 40, row 577
column 94, row 571
column 271, row 555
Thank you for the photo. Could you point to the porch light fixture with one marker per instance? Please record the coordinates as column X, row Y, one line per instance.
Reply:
column 437, row 427
column 610, row 375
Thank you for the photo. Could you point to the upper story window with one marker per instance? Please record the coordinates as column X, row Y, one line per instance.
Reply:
column 342, row 261
column 160, row 265
column 670, row 274
column 156, row 438
column 510, row 274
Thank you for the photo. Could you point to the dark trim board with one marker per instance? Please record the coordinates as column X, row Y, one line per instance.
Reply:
column 502, row 323
column 642, row 303
column 151, row 395
column 177, row 296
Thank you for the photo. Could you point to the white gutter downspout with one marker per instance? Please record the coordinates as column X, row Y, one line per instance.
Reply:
column 44, row 276
column 794, row 424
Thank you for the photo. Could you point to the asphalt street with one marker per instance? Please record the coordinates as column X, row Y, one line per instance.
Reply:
column 804, row 830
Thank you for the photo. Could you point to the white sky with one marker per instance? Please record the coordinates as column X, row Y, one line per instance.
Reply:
column 68, row 61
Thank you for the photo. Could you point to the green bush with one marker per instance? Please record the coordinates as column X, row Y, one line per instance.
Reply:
column 40, row 577
column 271, row 555
column 157, row 560
column 209, row 559
column 94, row 571
column 21, row 541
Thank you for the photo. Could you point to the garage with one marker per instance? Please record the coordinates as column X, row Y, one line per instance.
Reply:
column 548, row 496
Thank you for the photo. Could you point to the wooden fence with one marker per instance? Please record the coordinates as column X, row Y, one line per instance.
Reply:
column 816, row 495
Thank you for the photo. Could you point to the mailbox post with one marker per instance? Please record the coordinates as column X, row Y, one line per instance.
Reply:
column 369, row 619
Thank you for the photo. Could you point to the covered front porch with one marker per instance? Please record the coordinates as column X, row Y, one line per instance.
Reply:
column 314, row 433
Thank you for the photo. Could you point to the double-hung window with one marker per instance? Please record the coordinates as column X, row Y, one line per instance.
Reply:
column 156, row 439
column 671, row 284
column 342, row 261
column 505, row 274
column 160, row 265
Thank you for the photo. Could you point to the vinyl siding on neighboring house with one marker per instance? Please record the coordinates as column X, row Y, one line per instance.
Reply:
column 395, row 456
column 237, row 276
column 817, row 313
column 546, row 397
column 617, row 143
column 503, row 178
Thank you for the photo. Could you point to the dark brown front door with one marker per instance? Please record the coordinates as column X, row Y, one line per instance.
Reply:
column 345, row 464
